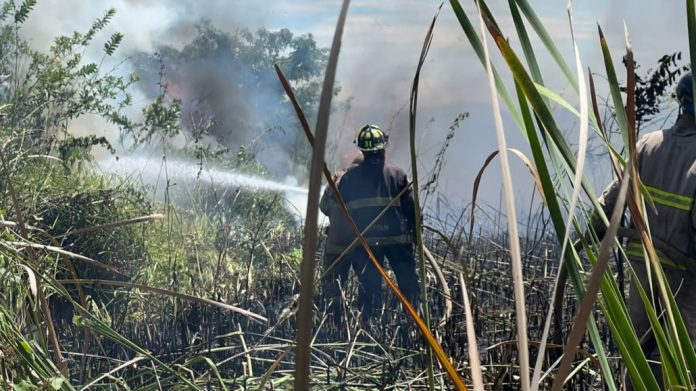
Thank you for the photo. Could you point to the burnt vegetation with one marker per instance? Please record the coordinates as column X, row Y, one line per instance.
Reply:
column 196, row 288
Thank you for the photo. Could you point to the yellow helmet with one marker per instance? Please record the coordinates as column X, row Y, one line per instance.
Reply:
column 371, row 138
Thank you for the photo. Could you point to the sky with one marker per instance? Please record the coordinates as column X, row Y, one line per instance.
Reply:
column 380, row 50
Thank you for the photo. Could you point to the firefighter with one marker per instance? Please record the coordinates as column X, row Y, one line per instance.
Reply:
column 667, row 168
column 367, row 188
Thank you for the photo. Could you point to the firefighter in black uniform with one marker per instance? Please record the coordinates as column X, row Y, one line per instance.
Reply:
column 367, row 188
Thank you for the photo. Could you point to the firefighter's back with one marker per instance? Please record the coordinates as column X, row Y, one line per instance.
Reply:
column 367, row 189
column 668, row 170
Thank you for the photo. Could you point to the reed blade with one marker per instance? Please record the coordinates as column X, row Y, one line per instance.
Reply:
column 593, row 286
column 521, row 313
column 577, row 184
column 305, row 312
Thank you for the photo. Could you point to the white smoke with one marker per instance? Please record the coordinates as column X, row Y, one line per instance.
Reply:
column 145, row 23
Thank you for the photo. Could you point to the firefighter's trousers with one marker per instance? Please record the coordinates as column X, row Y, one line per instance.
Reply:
column 402, row 262
column 683, row 286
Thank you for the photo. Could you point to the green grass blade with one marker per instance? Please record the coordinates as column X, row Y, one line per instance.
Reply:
column 413, row 110
column 617, row 316
column 548, row 123
column 593, row 286
column 26, row 353
column 558, row 99
column 577, row 184
column 614, row 88
column 634, row 367
column 476, row 44
column 570, row 256
column 551, row 201
column 546, row 39
column 526, row 43
column 556, row 145
column 582, row 142
column 671, row 351
column 543, row 113
column 668, row 356
column 515, row 251
column 528, row 87
column 684, row 338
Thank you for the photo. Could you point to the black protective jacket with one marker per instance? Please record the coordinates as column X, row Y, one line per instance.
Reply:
column 367, row 188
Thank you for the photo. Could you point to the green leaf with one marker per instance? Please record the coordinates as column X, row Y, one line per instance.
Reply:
column 25, row 346
column 24, row 385
column 113, row 42
column 57, row 383
column 24, row 10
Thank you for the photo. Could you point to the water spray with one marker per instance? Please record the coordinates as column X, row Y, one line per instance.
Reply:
column 150, row 169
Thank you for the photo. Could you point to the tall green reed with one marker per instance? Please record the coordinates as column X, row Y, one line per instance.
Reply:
column 554, row 158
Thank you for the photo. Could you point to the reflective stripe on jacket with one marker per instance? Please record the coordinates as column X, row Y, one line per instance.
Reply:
column 635, row 252
column 667, row 168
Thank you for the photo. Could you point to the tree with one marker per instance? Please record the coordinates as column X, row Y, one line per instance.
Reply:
column 652, row 88
column 229, row 95
column 652, row 92
column 42, row 93
column 46, row 91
